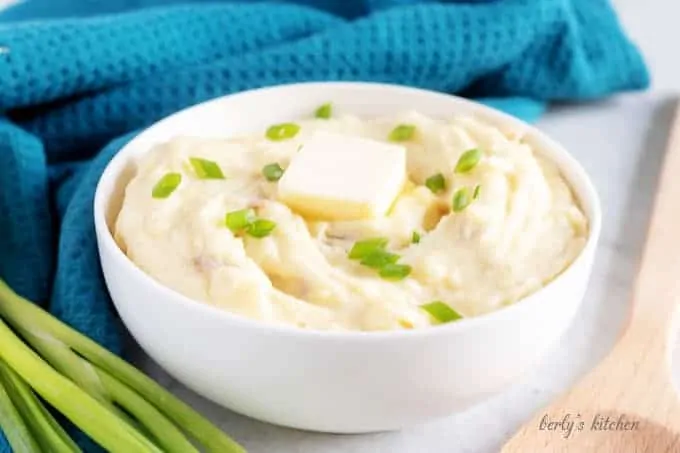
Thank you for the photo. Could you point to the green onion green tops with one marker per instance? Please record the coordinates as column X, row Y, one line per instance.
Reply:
column 436, row 183
column 272, row 172
column 441, row 312
column 361, row 249
column 468, row 160
column 415, row 237
column 240, row 220
column 206, row 169
column 395, row 271
column 324, row 112
column 371, row 253
column 379, row 258
column 244, row 220
column 402, row 133
column 261, row 228
column 282, row 131
column 166, row 185
column 475, row 194
column 461, row 199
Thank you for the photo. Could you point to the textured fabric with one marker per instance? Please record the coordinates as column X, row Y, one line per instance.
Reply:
column 77, row 86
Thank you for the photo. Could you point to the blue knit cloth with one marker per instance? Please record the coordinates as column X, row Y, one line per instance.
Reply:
column 79, row 78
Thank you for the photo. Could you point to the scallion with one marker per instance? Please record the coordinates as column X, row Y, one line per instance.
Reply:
column 402, row 133
column 395, row 271
column 441, row 312
column 47, row 431
column 283, row 131
column 361, row 249
column 238, row 221
column 461, row 199
column 14, row 424
column 261, row 228
column 89, row 385
column 166, row 185
column 475, row 194
column 436, row 183
column 272, row 172
column 415, row 237
column 468, row 160
column 206, row 169
column 324, row 111
column 379, row 258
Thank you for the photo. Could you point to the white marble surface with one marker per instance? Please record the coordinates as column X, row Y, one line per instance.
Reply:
column 621, row 143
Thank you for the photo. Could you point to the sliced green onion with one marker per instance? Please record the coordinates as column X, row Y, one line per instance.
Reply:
column 468, row 160
column 415, row 237
column 239, row 220
column 402, row 133
column 441, row 312
column 282, row 131
column 261, row 228
column 436, row 183
column 377, row 259
column 395, row 271
column 272, row 172
column 461, row 199
column 475, row 194
column 361, row 249
column 206, row 169
column 325, row 111
column 166, row 185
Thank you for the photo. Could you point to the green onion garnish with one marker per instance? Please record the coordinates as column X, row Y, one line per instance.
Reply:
column 475, row 194
column 372, row 254
column 361, row 249
column 324, row 111
column 415, row 237
column 402, row 133
column 377, row 259
column 436, row 183
column 272, row 172
column 468, row 160
column 461, row 199
column 206, row 169
column 239, row 220
column 261, row 228
column 441, row 312
column 282, row 131
column 166, row 185
column 395, row 271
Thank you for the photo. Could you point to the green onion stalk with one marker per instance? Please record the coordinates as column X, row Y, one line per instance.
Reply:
column 44, row 361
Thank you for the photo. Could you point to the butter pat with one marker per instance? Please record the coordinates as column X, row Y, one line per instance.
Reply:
column 338, row 177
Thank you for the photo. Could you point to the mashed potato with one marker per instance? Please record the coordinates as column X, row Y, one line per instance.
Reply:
column 516, row 226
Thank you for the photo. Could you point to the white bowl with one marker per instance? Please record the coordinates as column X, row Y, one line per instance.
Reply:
column 334, row 381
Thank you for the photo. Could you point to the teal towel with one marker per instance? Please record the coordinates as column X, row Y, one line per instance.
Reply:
column 76, row 87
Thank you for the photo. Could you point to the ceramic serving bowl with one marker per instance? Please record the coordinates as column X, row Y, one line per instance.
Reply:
column 334, row 381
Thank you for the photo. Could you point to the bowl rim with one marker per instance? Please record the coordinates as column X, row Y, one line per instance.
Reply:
column 588, row 192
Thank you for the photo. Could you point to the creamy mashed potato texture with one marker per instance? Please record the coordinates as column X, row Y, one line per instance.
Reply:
column 482, row 221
